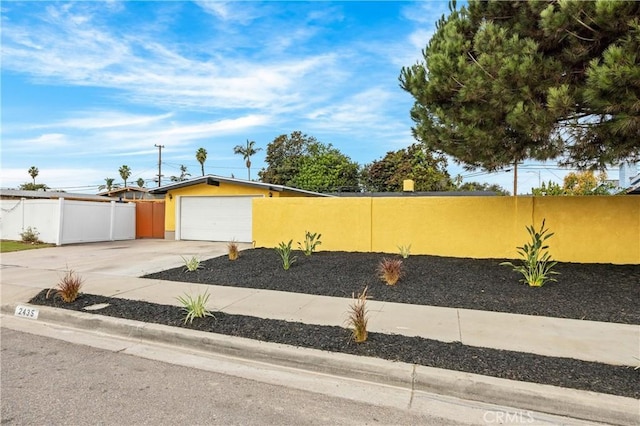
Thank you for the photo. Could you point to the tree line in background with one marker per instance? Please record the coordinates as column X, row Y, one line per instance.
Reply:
column 301, row 161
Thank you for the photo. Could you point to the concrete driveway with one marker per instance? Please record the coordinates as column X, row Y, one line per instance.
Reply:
column 24, row 273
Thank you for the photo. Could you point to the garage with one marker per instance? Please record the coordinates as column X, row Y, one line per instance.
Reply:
column 224, row 218
column 216, row 208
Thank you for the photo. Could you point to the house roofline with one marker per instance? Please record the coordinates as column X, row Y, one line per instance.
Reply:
column 18, row 193
column 216, row 180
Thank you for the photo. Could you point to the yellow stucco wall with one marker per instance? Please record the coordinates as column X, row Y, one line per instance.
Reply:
column 587, row 229
column 225, row 189
column 344, row 226
column 592, row 229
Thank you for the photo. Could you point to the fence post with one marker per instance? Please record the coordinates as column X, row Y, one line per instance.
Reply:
column 59, row 236
column 22, row 200
column 112, row 222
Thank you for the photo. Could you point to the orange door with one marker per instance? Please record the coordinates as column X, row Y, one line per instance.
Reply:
column 150, row 219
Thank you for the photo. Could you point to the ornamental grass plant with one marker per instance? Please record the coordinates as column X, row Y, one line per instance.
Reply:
column 68, row 288
column 357, row 317
column 390, row 270
column 233, row 251
column 192, row 264
column 195, row 307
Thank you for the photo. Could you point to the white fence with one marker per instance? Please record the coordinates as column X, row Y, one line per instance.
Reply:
column 68, row 221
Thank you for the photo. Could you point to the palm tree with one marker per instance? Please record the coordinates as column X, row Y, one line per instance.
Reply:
column 108, row 185
column 125, row 172
column 140, row 182
column 201, row 156
column 247, row 152
column 183, row 174
column 33, row 171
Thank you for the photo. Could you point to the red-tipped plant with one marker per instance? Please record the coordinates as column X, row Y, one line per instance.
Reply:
column 68, row 287
column 233, row 251
column 390, row 270
column 357, row 317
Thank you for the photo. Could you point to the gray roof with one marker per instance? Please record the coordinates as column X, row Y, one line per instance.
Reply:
column 216, row 180
column 17, row 193
column 418, row 194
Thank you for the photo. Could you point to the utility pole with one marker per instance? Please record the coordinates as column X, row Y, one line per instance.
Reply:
column 515, row 179
column 159, row 162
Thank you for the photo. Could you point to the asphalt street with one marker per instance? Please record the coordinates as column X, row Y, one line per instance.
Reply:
column 50, row 381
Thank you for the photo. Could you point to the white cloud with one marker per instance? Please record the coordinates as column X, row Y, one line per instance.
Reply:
column 104, row 120
column 242, row 13
column 34, row 144
column 75, row 50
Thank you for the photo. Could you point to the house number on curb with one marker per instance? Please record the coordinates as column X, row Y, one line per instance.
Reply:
column 26, row 312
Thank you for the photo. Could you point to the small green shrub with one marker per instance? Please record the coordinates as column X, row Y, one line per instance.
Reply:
column 30, row 235
column 233, row 251
column 311, row 241
column 537, row 265
column 284, row 250
column 390, row 270
column 405, row 251
column 357, row 317
column 195, row 308
column 192, row 264
column 68, row 288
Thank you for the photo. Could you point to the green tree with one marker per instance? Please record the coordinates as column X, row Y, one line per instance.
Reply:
column 303, row 162
column 140, row 182
column 108, row 185
column 284, row 157
column 584, row 182
column 33, row 172
column 30, row 186
column 326, row 169
column 503, row 81
column 477, row 186
column 201, row 156
column 247, row 151
column 551, row 188
column 125, row 172
column 427, row 169
column 183, row 174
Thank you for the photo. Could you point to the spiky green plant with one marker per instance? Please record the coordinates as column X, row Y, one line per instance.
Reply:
column 284, row 250
column 195, row 307
column 311, row 241
column 536, row 268
column 405, row 251
column 357, row 318
column 192, row 264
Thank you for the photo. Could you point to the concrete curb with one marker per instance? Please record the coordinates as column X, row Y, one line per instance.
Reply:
column 571, row 403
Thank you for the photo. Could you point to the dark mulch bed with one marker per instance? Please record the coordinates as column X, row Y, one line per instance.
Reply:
column 565, row 372
column 597, row 292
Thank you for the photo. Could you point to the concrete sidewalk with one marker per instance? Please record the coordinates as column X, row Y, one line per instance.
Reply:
column 112, row 269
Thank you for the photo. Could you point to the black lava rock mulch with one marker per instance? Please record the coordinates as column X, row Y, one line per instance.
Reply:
column 565, row 372
column 596, row 292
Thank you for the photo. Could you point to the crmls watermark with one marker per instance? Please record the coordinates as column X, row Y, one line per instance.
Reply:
column 501, row 417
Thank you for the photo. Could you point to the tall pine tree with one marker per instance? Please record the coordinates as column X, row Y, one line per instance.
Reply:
column 504, row 81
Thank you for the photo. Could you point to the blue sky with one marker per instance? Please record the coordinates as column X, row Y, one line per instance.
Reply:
column 90, row 86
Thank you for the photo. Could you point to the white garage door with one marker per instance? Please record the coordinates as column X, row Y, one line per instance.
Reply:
column 215, row 219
